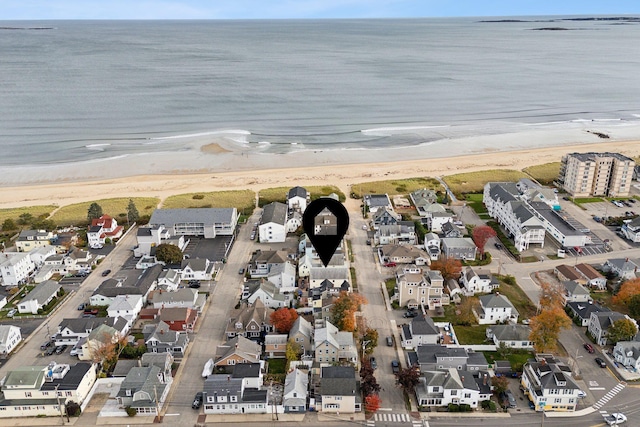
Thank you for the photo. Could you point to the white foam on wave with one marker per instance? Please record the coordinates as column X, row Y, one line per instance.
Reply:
column 96, row 147
column 385, row 131
column 214, row 132
column 264, row 143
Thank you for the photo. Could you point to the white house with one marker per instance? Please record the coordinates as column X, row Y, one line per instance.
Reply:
column 283, row 276
column 10, row 337
column 127, row 307
column 549, row 385
column 273, row 224
column 296, row 387
column 16, row 267
column 227, row 395
column 196, row 269
column 478, row 281
column 627, row 353
column 297, row 199
column 495, row 308
column 269, row 294
column 575, row 292
column 169, row 280
column 600, row 322
column 450, row 386
column 339, row 390
column 512, row 336
column 631, row 230
column 101, row 229
column 39, row 297
column 205, row 222
column 38, row 255
column 432, row 245
column 185, row 297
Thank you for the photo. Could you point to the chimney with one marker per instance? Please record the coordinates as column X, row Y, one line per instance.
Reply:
column 462, row 379
column 543, row 361
column 484, row 379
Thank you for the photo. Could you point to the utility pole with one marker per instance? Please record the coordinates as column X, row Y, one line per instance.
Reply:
column 155, row 392
column 59, row 405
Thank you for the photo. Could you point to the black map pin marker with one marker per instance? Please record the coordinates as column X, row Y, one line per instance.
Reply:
column 325, row 221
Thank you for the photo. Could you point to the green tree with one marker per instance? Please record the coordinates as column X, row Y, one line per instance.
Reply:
column 132, row 212
column 94, row 211
column 622, row 330
column 634, row 306
column 8, row 225
column 370, row 338
column 293, row 351
column 169, row 254
column 44, row 224
column 25, row 218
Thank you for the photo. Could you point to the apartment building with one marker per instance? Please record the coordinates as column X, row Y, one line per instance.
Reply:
column 596, row 174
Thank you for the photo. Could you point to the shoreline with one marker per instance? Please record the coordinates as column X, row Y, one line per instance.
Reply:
column 68, row 191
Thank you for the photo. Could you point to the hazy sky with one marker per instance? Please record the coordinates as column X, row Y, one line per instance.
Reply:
column 273, row 9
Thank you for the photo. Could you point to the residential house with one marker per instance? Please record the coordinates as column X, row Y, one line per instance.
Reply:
column 600, row 322
column 283, row 276
column 10, row 337
column 450, row 230
column 421, row 330
column 273, row 224
column 296, row 388
column 250, row 321
column 159, row 338
column 206, row 222
column 566, row 273
column 325, row 223
column 630, row 230
column 512, row 336
column 339, row 390
column 581, row 312
column 150, row 237
column 101, row 229
column 478, row 281
column 432, row 245
column 459, row 248
column 374, row 202
column 32, row 391
column 332, row 345
column 624, row 268
column 238, row 350
column 549, row 385
column 196, row 269
column 594, row 279
column 226, row 395
column 179, row 318
column 127, row 307
column 143, row 390
column 431, row 357
column 65, row 240
column 266, row 292
column 627, row 354
column 185, row 297
column 302, row 333
column 90, row 347
column 15, row 267
column 109, row 289
column 38, row 255
column 403, row 233
column 71, row 331
column 297, row 199
column 164, row 361
column 39, row 297
column 275, row 346
column 335, row 274
column 575, row 292
column 494, row 309
column 385, row 216
column 169, row 280
column 445, row 387
column 251, row 374
column 403, row 254
column 29, row 240
column 418, row 287
column 422, row 199
column 262, row 261
column 438, row 220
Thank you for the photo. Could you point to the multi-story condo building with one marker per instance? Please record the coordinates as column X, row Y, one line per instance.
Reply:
column 596, row 174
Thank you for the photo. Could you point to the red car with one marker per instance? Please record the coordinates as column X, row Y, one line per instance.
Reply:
column 390, row 264
column 589, row 348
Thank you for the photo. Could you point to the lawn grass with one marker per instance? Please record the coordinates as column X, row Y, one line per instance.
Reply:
column 605, row 299
column 76, row 214
column 35, row 211
column 390, row 284
column 517, row 358
column 518, row 298
column 279, row 194
column 239, row 199
column 395, row 186
column 474, row 201
column 583, row 200
column 277, row 366
column 545, row 174
column 474, row 334
column 473, row 182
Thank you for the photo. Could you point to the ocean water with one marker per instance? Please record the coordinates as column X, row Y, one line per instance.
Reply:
column 89, row 90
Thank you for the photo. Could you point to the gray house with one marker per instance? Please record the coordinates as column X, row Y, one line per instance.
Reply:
column 142, row 390
column 296, row 385
column 159, row 338
column 431, row 357
column 459, row 248
column 599, row 324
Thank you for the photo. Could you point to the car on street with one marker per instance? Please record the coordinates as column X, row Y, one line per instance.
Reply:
column 390, row 341
column 615, row 419
column 410, row 314
column 50, row 351
column 197, row 401
column 390, row 264
column 194, row 284
column 632, row 200
column 12, row 312
column 582, row 393
column 45, row 345
column 600, row 362
column 106, row 273
column 241, row 271
column 81, row 306
column 498, row 245
column 589, row 347
column 253, row 236
column 373, row 362
column 395, row 366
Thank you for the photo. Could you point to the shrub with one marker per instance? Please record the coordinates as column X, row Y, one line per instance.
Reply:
column 130, row 411
column 198, row 196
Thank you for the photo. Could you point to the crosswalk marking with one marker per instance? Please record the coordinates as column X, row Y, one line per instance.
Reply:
column 610, row 395
column 396, row 418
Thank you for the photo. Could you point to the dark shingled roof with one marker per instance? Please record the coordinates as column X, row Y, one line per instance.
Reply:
column 71, row 379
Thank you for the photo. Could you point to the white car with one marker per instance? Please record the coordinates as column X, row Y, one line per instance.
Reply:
column 615, row 419
column 582, row 393
column 12, row 312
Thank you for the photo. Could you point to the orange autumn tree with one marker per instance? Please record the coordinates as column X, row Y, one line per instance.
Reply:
column 372, row 403
column 551, row 295
column 546, row 326
column 627, row 290
column 450, row 268
column 343, row 312
column 481, row 234
column 283, row 319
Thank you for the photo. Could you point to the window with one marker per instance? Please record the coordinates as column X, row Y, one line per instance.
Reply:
column 27, row 394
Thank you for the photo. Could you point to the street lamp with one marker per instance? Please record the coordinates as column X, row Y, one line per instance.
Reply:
column 364, row 345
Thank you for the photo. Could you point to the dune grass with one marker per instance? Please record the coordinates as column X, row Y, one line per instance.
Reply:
column 545, row 174
column 473, row 182
column 76, row 214
column 279, row 194
column 242, row 200
column 394, row 186
column 35, row 211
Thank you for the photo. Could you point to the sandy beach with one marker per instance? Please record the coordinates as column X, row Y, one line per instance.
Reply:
column 64, row 192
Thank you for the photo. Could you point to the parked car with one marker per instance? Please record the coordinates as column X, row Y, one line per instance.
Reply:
column 615, row 419
column 582, row 393
column 498, row 245
column 106, row 273
column 12, row 312
column 45, row 345
column 509, row 400
column 600, row 362
column 82, row 306
column 395, row 366
column 93, row 311
column 632, row 200
column 373, row 362
column 195, row 284
column 390, row 264
column 197, row 401
column 390, row 341
column 589, row 348
column 410, row 314
column 60, row 349
column 50, row 351
column 241, row 271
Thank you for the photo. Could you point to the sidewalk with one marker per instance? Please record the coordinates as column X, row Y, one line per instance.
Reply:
column 255, row 418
